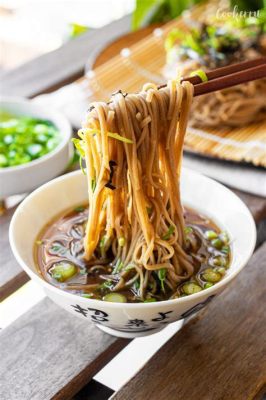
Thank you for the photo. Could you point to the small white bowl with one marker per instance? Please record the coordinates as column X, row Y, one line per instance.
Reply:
column 131, row 320
column 24, row 178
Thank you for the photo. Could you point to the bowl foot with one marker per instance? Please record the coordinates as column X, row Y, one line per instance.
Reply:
column 133, row 335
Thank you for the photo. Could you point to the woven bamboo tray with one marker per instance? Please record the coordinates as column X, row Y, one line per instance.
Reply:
column 138, row 61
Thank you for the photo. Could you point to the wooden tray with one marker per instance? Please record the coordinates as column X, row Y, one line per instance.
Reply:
column 139, row 57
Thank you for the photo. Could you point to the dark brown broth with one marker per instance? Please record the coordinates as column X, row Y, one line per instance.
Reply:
column 62, row 241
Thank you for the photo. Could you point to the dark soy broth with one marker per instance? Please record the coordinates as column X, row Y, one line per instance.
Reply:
column 60, row 260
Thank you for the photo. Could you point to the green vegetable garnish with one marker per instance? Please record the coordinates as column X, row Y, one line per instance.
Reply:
column 122, row 241
column 188, row 230
column 168, row 234
column 217, row 243
column 162, row 276
column 106, row 285
column 77, row 29
column 79, row 144
column 79, row 209
column 149, row 210
column 191, row 288
column 225, row 249
column 63, row 271
column 110, row 134
column 151, row 300
column 93, row 184
column 224, row 237
column 211, row 235
column 115, row 298
column 23, row 139
column 118, row 266
column 221, row 270
column 220, row 261
column 201, row 74
column 208, row 285
column 210, row 275
column 87, row 295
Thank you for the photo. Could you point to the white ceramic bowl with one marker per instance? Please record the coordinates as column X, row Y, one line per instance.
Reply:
column 130, row 320
column 24, row 178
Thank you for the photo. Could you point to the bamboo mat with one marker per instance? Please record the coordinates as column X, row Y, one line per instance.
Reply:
column 143, row 62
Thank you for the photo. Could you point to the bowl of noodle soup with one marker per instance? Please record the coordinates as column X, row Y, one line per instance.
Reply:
column 133, row 244
column 132, row 319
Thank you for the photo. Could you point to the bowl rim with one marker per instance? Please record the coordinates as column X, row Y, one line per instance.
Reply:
column 65, row 130
column 209, row 291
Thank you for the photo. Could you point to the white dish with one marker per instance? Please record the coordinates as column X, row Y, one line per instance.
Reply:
column 124, row 319
column 24, row 178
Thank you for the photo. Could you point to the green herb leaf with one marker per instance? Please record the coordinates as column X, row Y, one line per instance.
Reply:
column 93, row 184
column 79, row 144
column 169, row 233
column 77, row 29
column 162, row 275
column 201, row 74
column 79, row 209
column 118, row 266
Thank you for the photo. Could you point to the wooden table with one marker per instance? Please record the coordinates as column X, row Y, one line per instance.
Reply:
column 49, row 354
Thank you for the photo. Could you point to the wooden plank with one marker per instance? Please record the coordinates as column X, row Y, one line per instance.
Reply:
column 220, row 355
column 62, row 66
column 11, row 274
column 94, row 391
column 256, row 204
column 52, row 354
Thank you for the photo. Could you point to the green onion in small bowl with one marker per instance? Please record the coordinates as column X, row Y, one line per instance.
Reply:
column 35, row 145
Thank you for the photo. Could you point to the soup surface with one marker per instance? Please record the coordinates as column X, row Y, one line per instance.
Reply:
column 60, row 259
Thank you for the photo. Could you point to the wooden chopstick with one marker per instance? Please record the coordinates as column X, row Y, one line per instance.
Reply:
column 231, row 80
column 225, row 77
column 229, row 69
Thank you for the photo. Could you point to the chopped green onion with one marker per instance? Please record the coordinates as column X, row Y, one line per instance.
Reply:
column 221, row 270
column 150, row 300
column 162, row 275
column 219, row 261
column 208, row 285
column 118, row 266
column 201, row 74
column 136, row 285
column 25, row 139
column 81, row 165
column 87, row 295
column 149, row 210
column 63, row 271
column 79, row 209
column 106, row 285
column 129, row 267
column 110, row 134
column 225, row 249
column 210, row 275
column 102, row 241
column 115, row 298
column 188, row 230
column 3, row 161
column 191, row 288
column 93, row 184
column 217, row 243
column 224, row 237
column 121, row 241
column 169, row 233
column 211, row 235
column 119, row 137
column 79, row 144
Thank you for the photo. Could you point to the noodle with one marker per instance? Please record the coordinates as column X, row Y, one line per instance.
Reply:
column 135, row 207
